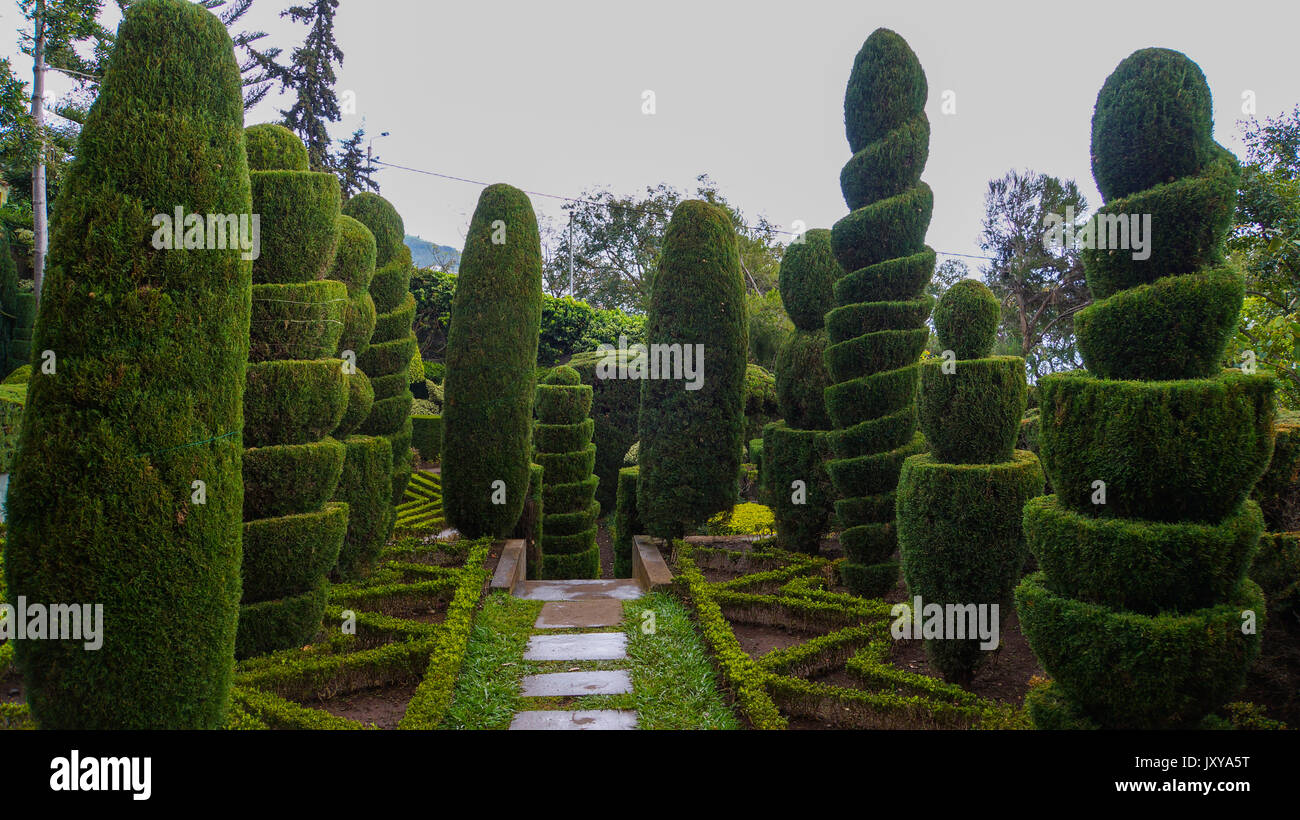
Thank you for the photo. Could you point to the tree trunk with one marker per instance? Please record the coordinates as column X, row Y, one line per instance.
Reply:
column 40, row 227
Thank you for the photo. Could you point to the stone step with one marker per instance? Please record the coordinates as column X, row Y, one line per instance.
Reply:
column 580, row 614
column 589, row 719
column 584, row 590
column 572, row 684
column 592, row 646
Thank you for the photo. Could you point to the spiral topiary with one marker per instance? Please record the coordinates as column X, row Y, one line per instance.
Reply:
column 959, row 506
column 692, row 440
column 296, row 394
column 796, row 448
column 1137, row 612
column 877, row 332
column 568, row 545
column 496, row 318
column 151, row 347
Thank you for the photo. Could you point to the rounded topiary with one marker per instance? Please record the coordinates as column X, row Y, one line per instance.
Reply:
column 807, row 279
column 803, row 511
column 151, row 349
column 873, row 347
column 801, row 381
column 966, row 319
column 272, row 147
column 568, row 543
column 384, row 223
column 496, row 317
column 361, row 398
column 354, row 261
column 1137, row 614
column 692, row 439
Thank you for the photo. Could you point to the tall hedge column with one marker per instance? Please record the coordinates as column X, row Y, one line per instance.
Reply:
column 487, row 416
column 392, row 344
column 567, row 457
column 297, row 392
column 1137, row 612
column 878, row 331
column 146, row 396
column 959, row 506
column 796, row 448
column 692, row 439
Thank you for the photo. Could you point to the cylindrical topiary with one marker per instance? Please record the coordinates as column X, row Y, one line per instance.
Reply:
column 877, row 331
column 296, row 395
column 615, row 405
column 145, row 401
column 568, row 546
column 364, row 485
column 496, row 317
column 959, row 507
column 794, row 479
column 1137, row 612
column 627, row 523
column 692, row 417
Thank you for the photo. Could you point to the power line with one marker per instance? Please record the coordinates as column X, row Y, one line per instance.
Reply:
column 599, row 204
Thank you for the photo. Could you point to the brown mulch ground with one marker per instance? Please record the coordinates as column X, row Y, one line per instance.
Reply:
column 382, row 707
column 605, row 540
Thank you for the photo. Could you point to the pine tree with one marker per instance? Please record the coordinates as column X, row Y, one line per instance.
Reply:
column 311, row 77
column 355, row 168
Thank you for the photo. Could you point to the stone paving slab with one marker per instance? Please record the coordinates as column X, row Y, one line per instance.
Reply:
column 571, row 684
column 580, row 614
column 588, row 719
column 592, row 646
column 621, row 589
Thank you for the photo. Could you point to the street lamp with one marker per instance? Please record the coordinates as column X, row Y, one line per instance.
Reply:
column 369, row 167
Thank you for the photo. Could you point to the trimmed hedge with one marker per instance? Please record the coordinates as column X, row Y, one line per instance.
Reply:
column 692, row 440
column 296, row 321
column 152, row 347
column 290, row 554
column 973, row 414
column 358, row 323
column 426, row 437
column 966, row 319
column 354, row 261
column 383, row 221
column 807, row 278
column 364, row 486
column 293, row 402
column 791, row 455
column 1278, row 490
column 874, row 347
column 1168, row 451
column 13, row 400
column 285, row 478
column 491, row 354
column 272, row 147
column 280, row 623
column 627, row 524
column 614, row 407
column 391, row 286
column 361, row 398
column 299, row 211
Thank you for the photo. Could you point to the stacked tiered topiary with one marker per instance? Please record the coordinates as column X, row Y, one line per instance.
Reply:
column 960, row 505
column 796, row 448
column 392, row 344
column 368, row 466
column 1142, row 613
column 487, row 416
column 296, row 395
column 877, row 333
column 565, row 452
column 1277, row 564
column 151, row 346
column 691, row 440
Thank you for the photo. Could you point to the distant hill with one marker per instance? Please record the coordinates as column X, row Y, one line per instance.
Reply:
column 425, row 253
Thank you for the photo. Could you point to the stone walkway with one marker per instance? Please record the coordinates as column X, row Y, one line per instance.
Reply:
column 577, row 605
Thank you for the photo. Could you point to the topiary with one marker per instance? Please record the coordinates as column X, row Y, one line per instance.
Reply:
column 692, row 439
column 8, row 299
column 272, row 147
column 794, row 451
column 151, row 349
column 627, row 523
column 568, row 543
column 877, row 332
column 296, row 394
column 614, row 408
column 379, row 215
column 1137, row 613
column 959, row 507
column 496, row 315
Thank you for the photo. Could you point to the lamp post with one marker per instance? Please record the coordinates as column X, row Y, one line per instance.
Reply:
column 369, row 168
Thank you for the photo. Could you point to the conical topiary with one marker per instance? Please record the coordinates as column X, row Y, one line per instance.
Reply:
column 296, row 395
column 145, row 396
column 567, row 456
column 692, row 439
column 796, row 448
column 1139, row 610
column 496, row 317
column 878, row 331
column 959, row 506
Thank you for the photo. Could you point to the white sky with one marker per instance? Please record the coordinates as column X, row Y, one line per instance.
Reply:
column 547, row 95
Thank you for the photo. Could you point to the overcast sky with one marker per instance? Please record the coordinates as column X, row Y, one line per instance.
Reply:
column 547, row 96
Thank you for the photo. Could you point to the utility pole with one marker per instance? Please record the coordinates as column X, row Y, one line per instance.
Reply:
column 40, row 227
column 570, row 254
column 369, row 167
